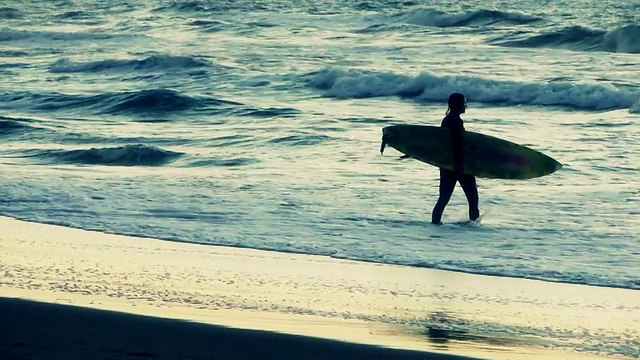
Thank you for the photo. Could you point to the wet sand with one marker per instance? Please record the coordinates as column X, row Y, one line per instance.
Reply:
column 72, row 294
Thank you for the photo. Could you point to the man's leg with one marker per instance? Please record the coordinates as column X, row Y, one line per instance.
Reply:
column 468, row 183
column 447, row 185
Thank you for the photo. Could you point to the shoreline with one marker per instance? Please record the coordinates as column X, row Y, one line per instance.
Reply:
column 391, row 306
column 365, row 261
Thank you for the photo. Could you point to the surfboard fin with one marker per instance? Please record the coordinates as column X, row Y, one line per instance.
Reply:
column 384, row 144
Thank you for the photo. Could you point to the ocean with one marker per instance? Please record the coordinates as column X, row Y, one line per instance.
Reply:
column 257, row 124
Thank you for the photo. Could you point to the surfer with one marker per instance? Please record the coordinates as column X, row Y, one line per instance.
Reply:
column 448, row 178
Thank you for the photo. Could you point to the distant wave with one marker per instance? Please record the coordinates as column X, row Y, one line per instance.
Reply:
column 74, row 15
column 211, row 26
column 14, row 65
column 301, row 140
column 346, row 84
column 439, row 19
column 163, row 100
column 157, row 100
column 11, row 126
column 10, row 13
column 186, row 6
column 244, row 6
column 233, row 162
column 205, row 6
column 129, row 155
column 268, row 112
column 154, row 62
column 45, row 101
column 624, row 39
column 16, row 35
column 13, row 53
column 152, row 101
column 435, row 18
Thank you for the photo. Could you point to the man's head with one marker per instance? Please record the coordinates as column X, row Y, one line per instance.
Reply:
column 457, row 103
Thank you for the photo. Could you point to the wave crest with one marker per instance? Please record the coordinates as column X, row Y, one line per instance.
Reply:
column 10, row 13
column 151, row 101
column 11, row 126
column 427, row 17
column 7, row 34
column 155, row 100
column 624, row 39
column 74, row 15
column 154, row 62
column 199, row 6
column 345, row 84
column 301, row 140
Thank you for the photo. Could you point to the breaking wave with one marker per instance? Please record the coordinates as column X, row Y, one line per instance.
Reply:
column 347, row 84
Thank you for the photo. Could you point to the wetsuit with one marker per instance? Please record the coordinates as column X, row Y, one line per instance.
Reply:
column 449, row 178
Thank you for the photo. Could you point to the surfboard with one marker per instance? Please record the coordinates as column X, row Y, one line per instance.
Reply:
column 484, row 155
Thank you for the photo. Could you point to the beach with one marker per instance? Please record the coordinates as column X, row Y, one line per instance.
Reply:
column 73, row 294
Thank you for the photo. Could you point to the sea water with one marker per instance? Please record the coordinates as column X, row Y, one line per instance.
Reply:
column 258, row 123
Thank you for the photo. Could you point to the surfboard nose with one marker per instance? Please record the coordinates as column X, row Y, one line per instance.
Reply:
column 387, row 135
column 394, row 133
column 398, row 131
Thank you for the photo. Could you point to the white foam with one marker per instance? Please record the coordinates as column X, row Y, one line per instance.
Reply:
column 345, row 84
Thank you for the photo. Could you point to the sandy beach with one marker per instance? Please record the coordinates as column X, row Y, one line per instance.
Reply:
column 75, row 294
